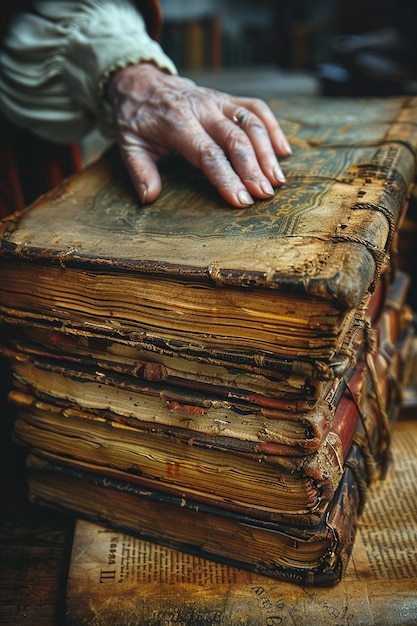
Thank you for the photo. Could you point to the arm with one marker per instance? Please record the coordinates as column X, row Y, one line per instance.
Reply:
column 54, row 72
column 55, row 61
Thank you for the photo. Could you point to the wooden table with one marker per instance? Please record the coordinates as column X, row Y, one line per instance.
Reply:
column 35, row 548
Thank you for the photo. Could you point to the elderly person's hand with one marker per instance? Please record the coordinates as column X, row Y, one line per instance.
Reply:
column 234, row 141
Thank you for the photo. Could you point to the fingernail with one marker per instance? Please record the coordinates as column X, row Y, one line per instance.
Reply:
column 244, row 197
column 142, row 192
column 286, row 145
column 267, row 188
column 279, row 175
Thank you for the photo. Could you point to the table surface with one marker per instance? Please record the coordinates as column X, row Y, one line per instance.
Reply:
column 35, row 547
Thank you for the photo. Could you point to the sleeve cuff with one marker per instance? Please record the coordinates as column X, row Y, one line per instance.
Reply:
column 111, row 37
column 55, row 62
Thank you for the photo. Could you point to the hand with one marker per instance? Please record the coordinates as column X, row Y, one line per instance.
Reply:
column 234, row 141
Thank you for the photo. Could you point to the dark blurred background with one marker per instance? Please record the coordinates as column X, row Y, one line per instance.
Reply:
column 331, row 47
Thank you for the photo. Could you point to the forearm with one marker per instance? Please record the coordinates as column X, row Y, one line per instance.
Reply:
column 55, row 62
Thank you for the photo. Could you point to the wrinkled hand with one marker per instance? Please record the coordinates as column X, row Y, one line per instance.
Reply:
column 234, row 141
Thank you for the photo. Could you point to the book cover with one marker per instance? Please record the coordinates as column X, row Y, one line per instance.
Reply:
column 313, row 237
column 282, row 279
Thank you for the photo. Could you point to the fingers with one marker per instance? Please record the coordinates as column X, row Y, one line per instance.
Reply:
column 229, row 163
column 251, row 138
column 236, row 159
column 141, row 165
column 200, row 150
column 247, row 142
column 264, row 113
column 228, row 156
column 204, row 153
column 234, row 141
column 253, row 153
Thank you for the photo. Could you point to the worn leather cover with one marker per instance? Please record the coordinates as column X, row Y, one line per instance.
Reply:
column 273, row 289
column 326, row 233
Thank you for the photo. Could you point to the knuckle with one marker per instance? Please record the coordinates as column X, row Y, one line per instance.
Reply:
column 209, row 154
column 239, row 146
column 259, row 105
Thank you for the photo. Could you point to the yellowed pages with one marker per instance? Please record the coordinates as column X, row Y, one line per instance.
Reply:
column 118, row 580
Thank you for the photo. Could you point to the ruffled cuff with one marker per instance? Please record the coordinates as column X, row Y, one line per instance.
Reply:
column 55, row 63
column 110, row 37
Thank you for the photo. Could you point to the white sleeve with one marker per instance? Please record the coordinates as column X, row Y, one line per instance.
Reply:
column 55, row 61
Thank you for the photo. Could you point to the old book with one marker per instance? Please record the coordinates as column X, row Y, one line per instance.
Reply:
column 277, row 283
column 266, row 480
column 291, row 387
column 313, row 554
column 266, row 487
column 205, row 418
column 291, row 290
column 233, row 459
column 119, row 579
column 212, row 415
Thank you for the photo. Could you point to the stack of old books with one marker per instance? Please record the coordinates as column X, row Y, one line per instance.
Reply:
column 220, row 380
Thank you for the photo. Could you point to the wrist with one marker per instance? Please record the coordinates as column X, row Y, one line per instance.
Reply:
column 134, row 76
